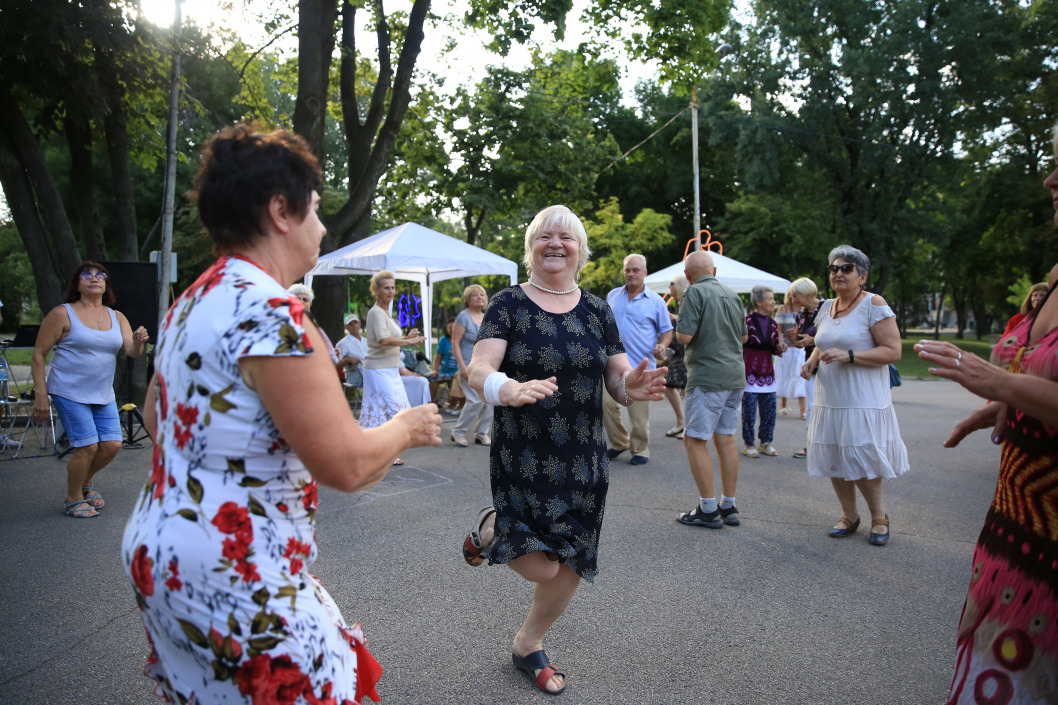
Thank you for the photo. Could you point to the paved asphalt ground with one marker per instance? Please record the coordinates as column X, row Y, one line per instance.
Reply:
column 772, row 611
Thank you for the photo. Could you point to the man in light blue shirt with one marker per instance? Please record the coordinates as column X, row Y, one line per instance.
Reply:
column 646, row 330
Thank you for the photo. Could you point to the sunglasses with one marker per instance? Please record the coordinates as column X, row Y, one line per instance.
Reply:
column 94, row 275
column 843, row 268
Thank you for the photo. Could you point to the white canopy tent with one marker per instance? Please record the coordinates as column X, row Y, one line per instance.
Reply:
column 415, row 253
column 740, row 277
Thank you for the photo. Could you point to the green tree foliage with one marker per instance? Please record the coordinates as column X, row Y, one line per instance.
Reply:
column 611, row 239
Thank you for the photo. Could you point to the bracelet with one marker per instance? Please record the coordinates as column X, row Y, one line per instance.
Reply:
column 852, row 357
column 491, row 389
column 624, row 390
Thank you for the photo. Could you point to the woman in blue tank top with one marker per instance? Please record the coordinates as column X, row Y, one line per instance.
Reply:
column 87, row 335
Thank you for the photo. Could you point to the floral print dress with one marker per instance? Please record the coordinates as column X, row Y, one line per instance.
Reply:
column 1008, row 636
column 219, row 545
column 548, row 462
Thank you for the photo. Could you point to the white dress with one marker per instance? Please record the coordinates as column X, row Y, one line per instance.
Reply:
column 788, row 380
column 853, row 432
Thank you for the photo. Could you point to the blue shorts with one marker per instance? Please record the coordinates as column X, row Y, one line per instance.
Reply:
column 86, row 424
column 707, row 413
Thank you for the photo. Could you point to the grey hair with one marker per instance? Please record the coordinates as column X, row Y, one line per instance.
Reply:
column 850, row 254
column 631, row 256
column 302, row 290
column 759, row 293
column 556, row 215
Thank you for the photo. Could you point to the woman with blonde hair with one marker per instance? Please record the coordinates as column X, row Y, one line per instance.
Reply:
column 477, row 415
column 384, row 394
column 788, row 382
column 676, row 378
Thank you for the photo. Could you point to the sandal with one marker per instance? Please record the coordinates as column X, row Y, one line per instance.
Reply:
column 750, row 452
column 768, row 449
column 784, row 411
column 398, row 461
column 849, row 530
column 538, row 661
column 879, row 539
column 472, row 545
column 460, row 441
column 674, row 432
column 483, row 440
column 92, row 496
column 70, row 509
column 803, row 453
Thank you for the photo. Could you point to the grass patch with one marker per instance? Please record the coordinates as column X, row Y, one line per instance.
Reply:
column 911, row 365
column 19, row 356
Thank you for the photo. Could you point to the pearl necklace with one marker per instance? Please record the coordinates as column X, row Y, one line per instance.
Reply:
column 552, row 291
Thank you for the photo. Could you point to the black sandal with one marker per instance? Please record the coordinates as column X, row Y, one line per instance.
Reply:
column 472, row 546
column 538, row 661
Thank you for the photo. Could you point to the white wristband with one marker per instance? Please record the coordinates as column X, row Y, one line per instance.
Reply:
column 491, row 388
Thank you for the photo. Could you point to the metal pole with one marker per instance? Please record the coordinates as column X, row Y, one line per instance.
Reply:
column 170, row 177
column 694, row 160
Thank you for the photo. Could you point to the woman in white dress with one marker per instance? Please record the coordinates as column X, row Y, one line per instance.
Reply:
column 384, row 394
column 788, row 382
column 853, row 435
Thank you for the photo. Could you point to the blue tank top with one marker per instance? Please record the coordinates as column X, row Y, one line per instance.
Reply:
column 82, row 369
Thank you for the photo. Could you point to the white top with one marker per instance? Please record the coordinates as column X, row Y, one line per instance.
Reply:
column 853, row 431
column 353, row 347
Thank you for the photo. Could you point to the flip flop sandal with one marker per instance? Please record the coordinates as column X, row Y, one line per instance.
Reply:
column 472, row 545
column 803, row 453
column 538, row 661
column 92, row 496
column 70, row 509
column 674, row 432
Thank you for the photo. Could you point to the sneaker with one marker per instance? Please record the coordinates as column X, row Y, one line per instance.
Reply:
column 697, row 517
column 612, row 453
column 730, row 515
column 638, row 460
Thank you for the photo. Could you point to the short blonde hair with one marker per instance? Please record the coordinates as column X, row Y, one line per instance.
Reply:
column 802, row 287
column 470, row 290
column 379, row 276
column 556, row 215
column 680, row 282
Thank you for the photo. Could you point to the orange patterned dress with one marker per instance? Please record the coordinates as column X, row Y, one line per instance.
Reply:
column 1008, row 636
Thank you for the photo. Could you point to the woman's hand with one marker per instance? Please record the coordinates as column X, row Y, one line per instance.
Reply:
column 834, row 355
column 642, row 384
column 140, row 336
column 423, row 424
column 992, row 416
column 809, row 367
column 41, row 408
column 977, row 375
column 514, row 393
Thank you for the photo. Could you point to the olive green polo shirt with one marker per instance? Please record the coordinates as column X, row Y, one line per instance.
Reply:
column 713, row 315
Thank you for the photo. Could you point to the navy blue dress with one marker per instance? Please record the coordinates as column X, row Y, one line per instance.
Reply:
column 548, row 462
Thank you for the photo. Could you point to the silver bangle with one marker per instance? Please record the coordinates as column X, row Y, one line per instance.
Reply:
column 624, row 390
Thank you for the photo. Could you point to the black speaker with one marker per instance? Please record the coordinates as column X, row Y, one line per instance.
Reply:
column 136, row 286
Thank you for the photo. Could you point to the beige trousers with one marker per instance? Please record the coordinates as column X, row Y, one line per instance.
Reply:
column 639, row 420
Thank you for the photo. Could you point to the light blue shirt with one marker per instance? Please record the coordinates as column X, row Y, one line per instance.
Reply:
column 640, row 322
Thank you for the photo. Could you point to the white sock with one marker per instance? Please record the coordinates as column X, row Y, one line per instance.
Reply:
column 708, row 504
column 727, row 502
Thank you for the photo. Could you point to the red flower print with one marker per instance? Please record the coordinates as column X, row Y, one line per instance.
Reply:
column 163, row 400
column 248, row 571
column 173, row 583
column 237, row 548
column 183, row 436
column 187, row 414
column 283, row 507
column 233, row 519
column 271, row 681
column 310, row 497
column 142, row 576
column 209, row 278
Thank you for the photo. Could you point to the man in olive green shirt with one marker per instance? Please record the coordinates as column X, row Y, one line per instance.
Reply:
column 712, row 324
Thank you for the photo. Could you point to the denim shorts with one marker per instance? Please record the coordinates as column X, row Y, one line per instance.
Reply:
column 712, row 412
column 86, row 424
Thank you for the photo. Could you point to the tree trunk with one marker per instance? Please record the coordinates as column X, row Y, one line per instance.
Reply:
column 316, row 28
column 114, row 125
column 82, row 183
column 22, row 143
column 19, row 195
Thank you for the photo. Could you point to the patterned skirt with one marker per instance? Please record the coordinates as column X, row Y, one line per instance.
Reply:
column 384, row 396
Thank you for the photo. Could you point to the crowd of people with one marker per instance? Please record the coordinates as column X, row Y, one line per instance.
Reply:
column 545, row 369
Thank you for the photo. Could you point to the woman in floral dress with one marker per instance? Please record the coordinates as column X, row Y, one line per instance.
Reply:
column 1007, row 649
column 546, row 350
column 248, row 419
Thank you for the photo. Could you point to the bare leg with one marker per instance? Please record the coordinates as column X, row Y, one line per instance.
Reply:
column 872, row 493
column 106, row 452
column 556, row 584
column 673, row 395
column 701, row 465
column 846, row 492
column 728, row 457
column 77, row 471
column 782, row 402
column 803, row 404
